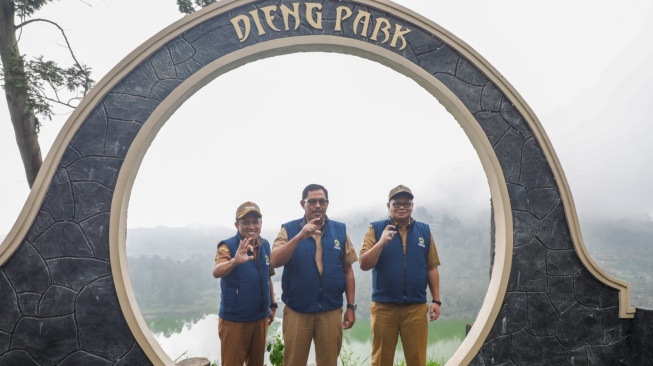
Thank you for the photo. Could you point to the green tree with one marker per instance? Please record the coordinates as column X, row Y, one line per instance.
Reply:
column 190, row 6
column 34, row 85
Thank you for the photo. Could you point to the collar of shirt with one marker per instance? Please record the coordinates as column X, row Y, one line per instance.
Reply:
column 396, row 224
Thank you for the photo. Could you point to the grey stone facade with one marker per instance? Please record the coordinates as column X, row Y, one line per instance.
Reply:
column 58, row 302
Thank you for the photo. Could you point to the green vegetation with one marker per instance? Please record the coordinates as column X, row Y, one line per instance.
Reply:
column 348, row 358
column 430, row 361
column 275, row 348
column 164, row 285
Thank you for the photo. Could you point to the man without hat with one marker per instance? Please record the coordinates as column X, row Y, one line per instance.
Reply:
column 404, row 261
column 247, row 304
column 316, row 254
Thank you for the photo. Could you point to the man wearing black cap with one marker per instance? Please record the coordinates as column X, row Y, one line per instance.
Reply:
column 247, row 304
column 404, row 261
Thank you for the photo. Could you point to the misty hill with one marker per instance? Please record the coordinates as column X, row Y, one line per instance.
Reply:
column 176, row 243
column 170, row 268
column 624, row 249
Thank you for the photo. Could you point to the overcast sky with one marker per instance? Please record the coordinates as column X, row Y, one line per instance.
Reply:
column 264, row 131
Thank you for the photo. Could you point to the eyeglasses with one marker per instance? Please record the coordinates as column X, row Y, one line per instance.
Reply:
column 402, row 204
column 313, row 202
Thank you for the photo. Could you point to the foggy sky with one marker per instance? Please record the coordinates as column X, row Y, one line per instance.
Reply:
column 585, row 68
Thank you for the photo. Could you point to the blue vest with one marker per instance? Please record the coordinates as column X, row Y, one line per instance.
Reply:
column 246, row 290
column 304, row 290
column 398, row 277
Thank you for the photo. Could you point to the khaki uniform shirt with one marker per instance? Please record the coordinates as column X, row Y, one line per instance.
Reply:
column 370, row 240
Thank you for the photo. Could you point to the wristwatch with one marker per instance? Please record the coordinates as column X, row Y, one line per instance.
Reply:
column 274, row 305
column 352, row 306
column 437, row 302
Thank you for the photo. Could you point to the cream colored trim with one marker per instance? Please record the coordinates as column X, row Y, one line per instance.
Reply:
column 504, row 240
column 626, row 310
column 503, row 259
column 35, row 198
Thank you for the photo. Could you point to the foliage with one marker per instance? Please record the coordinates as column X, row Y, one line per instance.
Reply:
column 430, row 361
column 33, row 87
column 623, row 248
column 275, row 347
column 26, row 8
column 190, row 6
column 43, row 82
column 164, row 284
column 435, row 361
column 347, row 358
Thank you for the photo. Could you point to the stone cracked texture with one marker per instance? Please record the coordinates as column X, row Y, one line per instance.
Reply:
column 554, row 311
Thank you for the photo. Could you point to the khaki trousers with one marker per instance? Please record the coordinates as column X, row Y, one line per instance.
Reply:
column 300, row 329
column 242, row 342
column 390, row 321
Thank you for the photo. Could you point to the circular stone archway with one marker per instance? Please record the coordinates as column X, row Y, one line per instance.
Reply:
column 69, row 241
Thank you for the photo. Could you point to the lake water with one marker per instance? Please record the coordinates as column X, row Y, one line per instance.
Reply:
column 195, row 335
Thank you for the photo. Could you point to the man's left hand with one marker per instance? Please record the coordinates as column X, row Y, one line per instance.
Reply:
column 271, row 317
column 349, row 319
column 434, row 311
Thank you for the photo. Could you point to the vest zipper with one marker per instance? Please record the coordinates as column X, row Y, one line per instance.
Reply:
column 405, row 266
column 260, row 282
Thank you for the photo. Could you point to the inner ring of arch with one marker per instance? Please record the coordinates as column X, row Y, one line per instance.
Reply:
column 498, row 188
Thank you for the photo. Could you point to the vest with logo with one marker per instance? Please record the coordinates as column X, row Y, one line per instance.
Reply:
column 397, row 277
column 304, row 290
column 246, row 290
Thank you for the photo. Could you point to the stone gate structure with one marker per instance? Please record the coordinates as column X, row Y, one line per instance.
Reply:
column 65, row 296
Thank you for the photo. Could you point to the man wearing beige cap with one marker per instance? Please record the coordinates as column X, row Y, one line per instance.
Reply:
column 404, row 261
column 247, row 304
column 316, row 255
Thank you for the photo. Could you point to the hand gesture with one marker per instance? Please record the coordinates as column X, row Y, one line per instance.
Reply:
column 311, row 228
column 244, row 247
column 387, row 235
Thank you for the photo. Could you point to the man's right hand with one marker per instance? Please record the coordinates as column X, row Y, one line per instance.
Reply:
column 244, row 247
column 387, row 235
column 310, row 228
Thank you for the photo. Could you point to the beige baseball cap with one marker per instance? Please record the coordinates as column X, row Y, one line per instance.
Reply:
column 246, row 208
column 400, row 189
